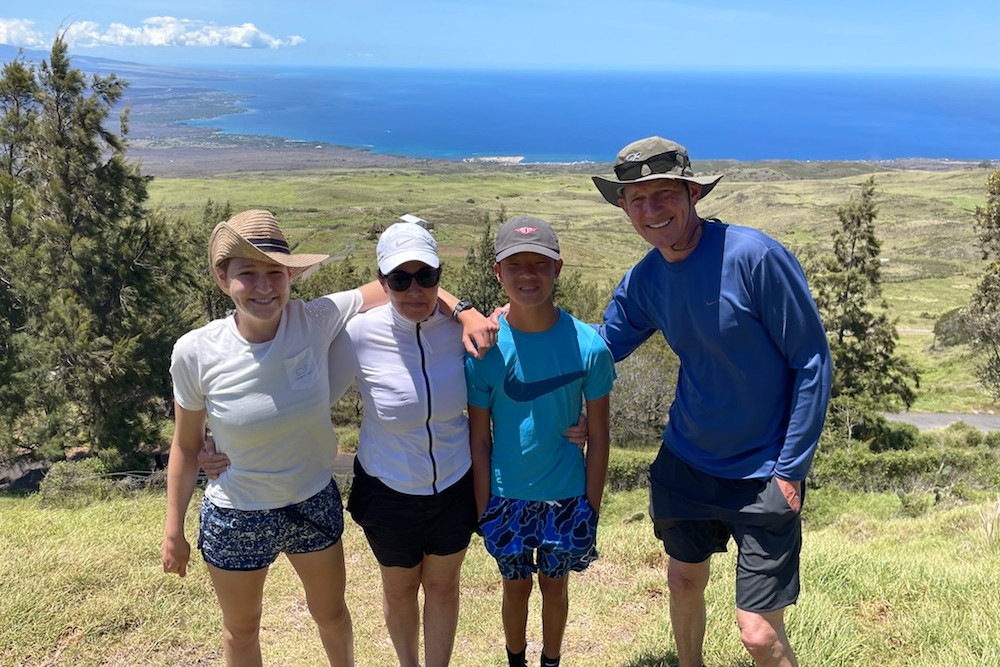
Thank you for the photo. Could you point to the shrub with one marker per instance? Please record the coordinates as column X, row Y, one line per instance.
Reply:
column 893, row 436
column 992, row 439
column 952, row 328
column 913, row 505
column 347, row 439
column 643, row 393
column 74, row 484
column 938, row 469
column 628, row 469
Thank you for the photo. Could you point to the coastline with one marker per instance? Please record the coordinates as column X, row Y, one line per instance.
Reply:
column 183, row 154
column 165, row 143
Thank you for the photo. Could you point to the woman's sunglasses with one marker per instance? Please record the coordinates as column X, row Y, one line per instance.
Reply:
column 399, row 281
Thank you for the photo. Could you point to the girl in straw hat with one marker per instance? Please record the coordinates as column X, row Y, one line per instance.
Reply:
column 259, row 379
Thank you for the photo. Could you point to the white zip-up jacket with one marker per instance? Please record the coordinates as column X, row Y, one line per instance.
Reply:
column 415, row 434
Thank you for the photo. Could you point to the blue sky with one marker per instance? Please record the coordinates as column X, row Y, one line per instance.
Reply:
column 851, row 35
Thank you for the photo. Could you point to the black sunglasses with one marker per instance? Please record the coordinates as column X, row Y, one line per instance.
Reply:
column 661, row 163
column 399, row 281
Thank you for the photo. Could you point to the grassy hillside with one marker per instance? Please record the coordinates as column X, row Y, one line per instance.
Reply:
column 83, row 587
column 930, row 259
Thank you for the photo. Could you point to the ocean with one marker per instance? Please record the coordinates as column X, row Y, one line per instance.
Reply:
column 588, row 116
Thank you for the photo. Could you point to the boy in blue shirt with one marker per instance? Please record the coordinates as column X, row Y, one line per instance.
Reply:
column 537, row 495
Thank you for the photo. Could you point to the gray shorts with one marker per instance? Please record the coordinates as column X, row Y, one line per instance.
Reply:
column 695, row 514
column 232, row 539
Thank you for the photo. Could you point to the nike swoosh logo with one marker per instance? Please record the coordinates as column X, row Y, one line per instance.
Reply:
column 522, row 392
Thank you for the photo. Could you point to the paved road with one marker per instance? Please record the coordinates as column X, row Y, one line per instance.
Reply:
column 932, row 420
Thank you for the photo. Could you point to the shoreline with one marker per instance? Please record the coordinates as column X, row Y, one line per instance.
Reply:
column 167, row 145
column 184, row 152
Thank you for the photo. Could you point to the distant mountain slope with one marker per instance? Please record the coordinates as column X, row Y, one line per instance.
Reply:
column 136, row 73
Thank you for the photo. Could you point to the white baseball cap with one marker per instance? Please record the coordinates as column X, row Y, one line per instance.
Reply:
column 405, row 242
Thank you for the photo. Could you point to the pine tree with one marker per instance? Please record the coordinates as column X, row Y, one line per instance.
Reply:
column 106, row 283
column 476, row 280
column 17, row 118
column 216, row 303
column 861, row 333
column 984, row 308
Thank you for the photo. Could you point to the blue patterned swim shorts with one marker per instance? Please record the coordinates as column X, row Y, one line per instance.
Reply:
column 232, row 539
column 563, row 533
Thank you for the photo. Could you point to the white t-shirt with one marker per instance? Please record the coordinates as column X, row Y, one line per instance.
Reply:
column 415, row 435
column 268, row 403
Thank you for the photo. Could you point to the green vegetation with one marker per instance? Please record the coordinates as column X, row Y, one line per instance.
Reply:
column 848, row 287
column 83, row 587
column 984, row 313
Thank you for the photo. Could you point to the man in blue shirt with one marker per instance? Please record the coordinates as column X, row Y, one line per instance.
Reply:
column 752, row 391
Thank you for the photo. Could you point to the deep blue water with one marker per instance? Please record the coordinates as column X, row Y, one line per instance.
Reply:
column 572, row 116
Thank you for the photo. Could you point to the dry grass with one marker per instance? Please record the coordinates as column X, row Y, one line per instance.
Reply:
column 84, row 588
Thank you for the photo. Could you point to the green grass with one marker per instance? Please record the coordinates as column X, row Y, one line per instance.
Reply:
column 931, row 263
column 84, row 587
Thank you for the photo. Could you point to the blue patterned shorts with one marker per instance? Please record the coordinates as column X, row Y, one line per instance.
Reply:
column 232, row 539
column 562, row 533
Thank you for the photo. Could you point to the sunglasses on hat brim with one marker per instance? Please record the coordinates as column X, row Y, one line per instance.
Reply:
column 661, row 163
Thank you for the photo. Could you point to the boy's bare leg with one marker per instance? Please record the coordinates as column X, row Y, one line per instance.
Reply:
column 555, row 612
column 515, row 612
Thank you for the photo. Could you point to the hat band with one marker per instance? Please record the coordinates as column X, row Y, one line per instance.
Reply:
column 271, row 245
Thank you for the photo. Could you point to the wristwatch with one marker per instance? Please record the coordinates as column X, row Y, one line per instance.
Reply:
column 459, row 307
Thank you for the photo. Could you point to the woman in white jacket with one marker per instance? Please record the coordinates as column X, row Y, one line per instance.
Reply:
column 412, row 490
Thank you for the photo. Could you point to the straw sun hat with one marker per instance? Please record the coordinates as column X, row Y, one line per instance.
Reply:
column 255, row 235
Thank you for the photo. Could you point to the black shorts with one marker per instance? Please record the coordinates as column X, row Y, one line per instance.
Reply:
column 695, row 514
column 402, row 528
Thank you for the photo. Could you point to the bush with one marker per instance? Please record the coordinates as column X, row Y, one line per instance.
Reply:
column 913, row 505
column 952, row 328
column 887, row 435
column 347, row 439
column 628, row 469
column 925, row 468
column 74, row 484
column 992, row 439
column 643, row 393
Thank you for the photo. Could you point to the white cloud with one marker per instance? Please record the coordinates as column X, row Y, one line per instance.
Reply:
column 154, row 31
column 19, row 32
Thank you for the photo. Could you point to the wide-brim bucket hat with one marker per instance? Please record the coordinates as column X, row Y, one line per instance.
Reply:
column 255, row 235
column 650, row 159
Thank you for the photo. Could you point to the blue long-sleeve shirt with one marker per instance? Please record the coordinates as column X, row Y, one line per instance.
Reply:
column 755, row 366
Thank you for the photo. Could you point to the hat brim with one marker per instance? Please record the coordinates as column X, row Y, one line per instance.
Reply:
column 237, row 246
column 611, row 189
column 397, row 259
column 527, row 247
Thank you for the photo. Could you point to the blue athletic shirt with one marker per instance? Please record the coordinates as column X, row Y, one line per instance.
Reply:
column 534, row 384
column 755, row 367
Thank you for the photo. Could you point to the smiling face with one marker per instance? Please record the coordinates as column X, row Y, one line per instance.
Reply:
column 415, row 303
column 528, row 278
column 259, row 291
column 662, row 211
